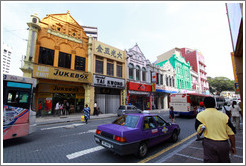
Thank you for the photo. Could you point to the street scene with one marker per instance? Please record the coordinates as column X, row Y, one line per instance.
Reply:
column 140, row 89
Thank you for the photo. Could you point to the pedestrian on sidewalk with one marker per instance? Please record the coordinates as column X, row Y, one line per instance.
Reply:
column 40, row 106
column 61, row 108
column 171, row 115
column 216, row 147
column 235, row 113
column 57, row 108
column 95, row 109
column 86, row 113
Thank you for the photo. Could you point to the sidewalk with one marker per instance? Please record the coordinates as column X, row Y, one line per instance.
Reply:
column 76, row 117
column 192, row 152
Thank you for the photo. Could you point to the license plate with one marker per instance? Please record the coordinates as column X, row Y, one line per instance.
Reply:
column 107, row 144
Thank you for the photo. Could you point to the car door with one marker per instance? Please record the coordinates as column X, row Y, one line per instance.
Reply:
column 164, row 128
column 150, row 130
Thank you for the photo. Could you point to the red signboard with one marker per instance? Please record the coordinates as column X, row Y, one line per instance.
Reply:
column 139, row 87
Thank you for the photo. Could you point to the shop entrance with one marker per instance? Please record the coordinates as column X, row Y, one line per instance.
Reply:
column 60, row 97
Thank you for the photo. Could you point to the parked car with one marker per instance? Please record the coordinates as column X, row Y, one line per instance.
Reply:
column 126, row 109
column 135, row 133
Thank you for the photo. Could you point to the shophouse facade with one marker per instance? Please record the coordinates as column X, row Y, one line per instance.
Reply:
column 197, row 62
column 57, row 55
column 182, row 71
column 108, row 65
column 165, row 85
column 138, row 79
column 236, row 21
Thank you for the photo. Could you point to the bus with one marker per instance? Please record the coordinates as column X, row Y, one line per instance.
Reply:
column 18, row 117
column 186, row 104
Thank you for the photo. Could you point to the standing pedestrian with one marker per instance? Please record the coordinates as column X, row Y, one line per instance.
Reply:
column 86, row 113
column 171, row 115
column 67, row 107
column 216, row 147
column 57, row 108
column 61, row 108
column 201, row 107
column 40, row 106
column 95, row 109
column 235, row 113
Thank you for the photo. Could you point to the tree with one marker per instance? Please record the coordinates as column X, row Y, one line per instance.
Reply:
column 219, row 84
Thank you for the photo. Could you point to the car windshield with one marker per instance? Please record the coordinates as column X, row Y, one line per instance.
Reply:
column 127, row 120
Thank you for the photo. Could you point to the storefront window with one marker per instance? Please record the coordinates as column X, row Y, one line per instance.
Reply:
column 99, row 65
column 64, row 60
column 79, row 63
column 131, row 71
column 143, row 74
column 46, row 56
column 119, row 69
column 110, row 68
column 137, row 73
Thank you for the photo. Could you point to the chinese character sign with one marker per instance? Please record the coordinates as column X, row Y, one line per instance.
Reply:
column 108, row 51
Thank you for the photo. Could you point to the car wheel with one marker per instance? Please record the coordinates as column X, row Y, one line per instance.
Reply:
column 175, row 136
column 142, row 150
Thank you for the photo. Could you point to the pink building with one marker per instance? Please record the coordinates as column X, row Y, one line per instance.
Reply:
column 197, row 63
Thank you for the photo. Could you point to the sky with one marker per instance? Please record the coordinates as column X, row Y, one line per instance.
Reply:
column 156, row 27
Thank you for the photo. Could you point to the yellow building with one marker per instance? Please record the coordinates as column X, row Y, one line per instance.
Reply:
column 109, row 75
column 57, row 55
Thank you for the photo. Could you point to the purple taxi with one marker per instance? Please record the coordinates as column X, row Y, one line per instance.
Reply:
column 135, row 133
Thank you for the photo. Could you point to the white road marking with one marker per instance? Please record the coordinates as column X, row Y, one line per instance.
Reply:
column 84, row 152
column 85, row 132
column 196, row 158
column 65, row 126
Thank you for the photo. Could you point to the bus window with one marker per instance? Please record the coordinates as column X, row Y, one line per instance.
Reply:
column 24, row 97
column 13, row 96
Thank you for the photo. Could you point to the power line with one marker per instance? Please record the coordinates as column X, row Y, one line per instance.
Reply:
column 10, row 31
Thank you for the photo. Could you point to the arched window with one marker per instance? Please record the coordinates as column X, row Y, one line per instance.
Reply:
column 143, row 74
column 131, row 67
column 137, row 73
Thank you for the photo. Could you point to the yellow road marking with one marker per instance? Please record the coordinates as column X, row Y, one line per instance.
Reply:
column 165, row 150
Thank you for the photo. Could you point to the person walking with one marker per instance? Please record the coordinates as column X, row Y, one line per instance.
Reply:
column 171, row 115
column 40, row 106
column 86, row 113
column 227, row 110
column 201, row 107
column 235, row 113
column 218, row 130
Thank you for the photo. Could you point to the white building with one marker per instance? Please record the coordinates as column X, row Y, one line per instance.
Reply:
column 91, row 31
column 6, row 58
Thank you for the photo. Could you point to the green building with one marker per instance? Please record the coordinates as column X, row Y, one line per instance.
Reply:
column 182, row 69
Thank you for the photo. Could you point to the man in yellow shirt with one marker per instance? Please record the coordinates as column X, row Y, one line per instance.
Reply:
column 216, row 146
